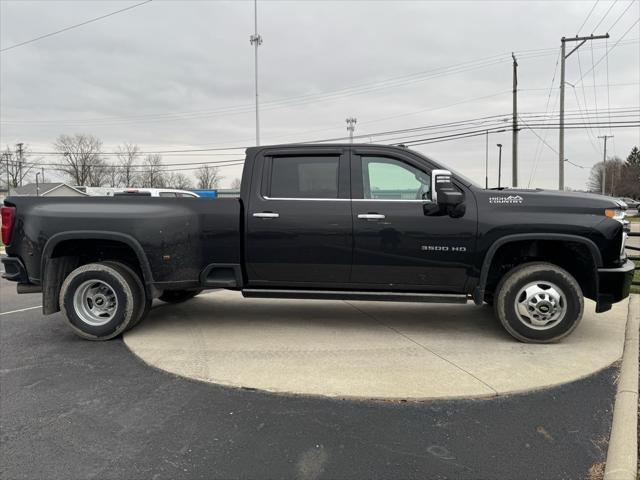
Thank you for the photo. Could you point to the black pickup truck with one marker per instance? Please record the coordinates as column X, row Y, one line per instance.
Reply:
column 357, row 222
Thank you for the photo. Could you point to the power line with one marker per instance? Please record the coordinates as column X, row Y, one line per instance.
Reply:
column 73, row 26
column 621, row 15
column 589, row 131
column 142, row 165
column 608, row 51
column 422, row 141
column 288, row 101
column 574, row 164
column 605, row 16
column 541, row 139
column 609, row 104
column 267, row 105
column 595, row 90
column 538, row 150
column 588, row 15
column 499, row 119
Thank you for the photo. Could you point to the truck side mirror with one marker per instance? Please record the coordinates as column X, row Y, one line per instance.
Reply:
column 444, row 193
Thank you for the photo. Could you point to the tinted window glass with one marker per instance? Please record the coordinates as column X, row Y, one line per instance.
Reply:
column 388, row 179
column 167, row 194
column 304, row 177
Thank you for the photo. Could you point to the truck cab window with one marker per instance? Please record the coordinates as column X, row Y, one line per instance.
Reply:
column 304, row 177
column 389, row 179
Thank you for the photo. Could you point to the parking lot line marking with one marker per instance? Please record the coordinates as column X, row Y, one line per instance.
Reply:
column 20, row 310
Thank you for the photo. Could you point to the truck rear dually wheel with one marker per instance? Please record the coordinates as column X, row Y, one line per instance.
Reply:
column 539, row 302
column 100, row 300
column 140, row 291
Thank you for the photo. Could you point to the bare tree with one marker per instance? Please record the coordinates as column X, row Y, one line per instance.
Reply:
column 235, row 184
column 113, row 174
column 179, row 181
column 208, row 177
column 14, row 168
column 128, row 154
column 82, row 155
column 153, row 174
column 614, row 177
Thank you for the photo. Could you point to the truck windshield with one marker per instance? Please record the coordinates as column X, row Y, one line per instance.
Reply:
column 467, row 181
column 464, row 179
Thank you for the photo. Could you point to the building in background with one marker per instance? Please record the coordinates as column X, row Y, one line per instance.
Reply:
column 58, row 189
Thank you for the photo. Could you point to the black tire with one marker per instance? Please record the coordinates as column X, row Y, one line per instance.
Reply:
column 178, row 296
column 547, row 279
column 141, row 291
column 121, row 287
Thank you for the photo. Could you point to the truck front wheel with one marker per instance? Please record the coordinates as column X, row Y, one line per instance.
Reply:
column 539, row 302
column 100, row 300
column 178, row 296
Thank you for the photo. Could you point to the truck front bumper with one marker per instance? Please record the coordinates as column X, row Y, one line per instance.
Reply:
column 614, row 285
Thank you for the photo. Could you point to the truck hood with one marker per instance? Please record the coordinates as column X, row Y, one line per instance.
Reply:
column 574, row 201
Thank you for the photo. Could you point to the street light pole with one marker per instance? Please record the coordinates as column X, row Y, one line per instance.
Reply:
column 256, row 41
column 486, row 161
column 499, row 162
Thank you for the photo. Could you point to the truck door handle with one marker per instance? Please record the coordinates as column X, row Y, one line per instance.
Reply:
column 371, row 216
column 266, row 215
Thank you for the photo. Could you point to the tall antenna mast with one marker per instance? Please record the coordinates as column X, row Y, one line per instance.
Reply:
column 256, row 41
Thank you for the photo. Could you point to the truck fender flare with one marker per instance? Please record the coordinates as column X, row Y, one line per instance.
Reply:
column 478, row 294
column 54, row 240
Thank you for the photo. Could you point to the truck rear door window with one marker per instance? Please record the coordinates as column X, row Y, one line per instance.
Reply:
column 304, row 177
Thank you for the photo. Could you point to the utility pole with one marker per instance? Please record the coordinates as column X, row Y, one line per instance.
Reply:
column 514, row 134
column 37, row 185
column 256, row 41
column 604, row 163
column 42, row 170
column 6, row 157
column 19, row 145
column 351, row 126
column 499, row 162
column 486, row 161
column 564, row 56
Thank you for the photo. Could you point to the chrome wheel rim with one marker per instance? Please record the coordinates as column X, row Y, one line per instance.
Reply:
column 540, row 305
column 95, row 302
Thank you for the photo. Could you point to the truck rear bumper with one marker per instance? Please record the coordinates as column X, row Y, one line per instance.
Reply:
column 614, row 285
column 14, row 270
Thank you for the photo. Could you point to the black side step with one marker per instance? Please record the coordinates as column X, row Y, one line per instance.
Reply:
column 354, row 295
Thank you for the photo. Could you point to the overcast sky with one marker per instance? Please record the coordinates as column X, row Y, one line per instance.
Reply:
column 179, row 75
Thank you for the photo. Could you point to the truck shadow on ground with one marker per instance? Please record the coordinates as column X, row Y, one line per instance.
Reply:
column 230, row 309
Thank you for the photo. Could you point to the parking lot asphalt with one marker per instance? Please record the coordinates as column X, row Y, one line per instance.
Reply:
column 74, row 409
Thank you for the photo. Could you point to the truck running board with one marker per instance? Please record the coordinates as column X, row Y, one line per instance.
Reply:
column 355, row 295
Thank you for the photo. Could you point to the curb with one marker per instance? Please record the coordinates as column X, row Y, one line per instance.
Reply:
column 622, row 455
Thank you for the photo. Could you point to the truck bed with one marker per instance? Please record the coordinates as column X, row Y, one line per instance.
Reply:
column 178, row 237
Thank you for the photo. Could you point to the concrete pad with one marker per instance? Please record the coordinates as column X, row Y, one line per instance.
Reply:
column 366, row 349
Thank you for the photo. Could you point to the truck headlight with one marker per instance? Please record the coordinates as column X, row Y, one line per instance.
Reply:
column 615, row 213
